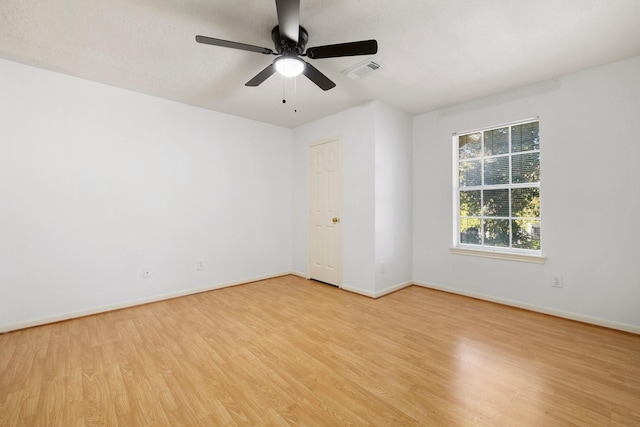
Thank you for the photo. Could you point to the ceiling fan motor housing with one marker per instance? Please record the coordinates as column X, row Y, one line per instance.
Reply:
column 284, row 45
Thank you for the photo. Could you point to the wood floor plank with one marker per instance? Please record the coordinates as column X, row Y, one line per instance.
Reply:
column 289, row 351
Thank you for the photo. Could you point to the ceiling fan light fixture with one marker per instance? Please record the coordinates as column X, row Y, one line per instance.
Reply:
column 289, row 66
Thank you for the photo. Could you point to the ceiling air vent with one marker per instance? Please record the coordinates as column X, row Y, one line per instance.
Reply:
column 362, row 69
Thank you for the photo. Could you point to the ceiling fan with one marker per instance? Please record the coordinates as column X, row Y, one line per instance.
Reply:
column 290, row 40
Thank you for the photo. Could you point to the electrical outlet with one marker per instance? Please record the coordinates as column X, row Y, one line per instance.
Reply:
column 556, row 280
column 200, row 264
column 146, row 273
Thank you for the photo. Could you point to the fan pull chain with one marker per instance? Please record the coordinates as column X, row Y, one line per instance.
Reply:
column 295, row 93
column 284, row 98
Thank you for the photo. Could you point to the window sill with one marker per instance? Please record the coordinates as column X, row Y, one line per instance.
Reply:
column 534, row 259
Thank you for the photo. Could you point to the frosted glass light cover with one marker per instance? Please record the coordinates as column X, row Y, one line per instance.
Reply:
column 289, row 67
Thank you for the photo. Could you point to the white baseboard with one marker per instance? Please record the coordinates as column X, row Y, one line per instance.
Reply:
column 371, row 294
column 132, row 303
column 377, row 294
column 358, row 291
column 299, row 274
column 553, row 312
column 392, row 289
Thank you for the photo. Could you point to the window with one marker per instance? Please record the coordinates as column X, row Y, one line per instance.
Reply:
column 497, row 188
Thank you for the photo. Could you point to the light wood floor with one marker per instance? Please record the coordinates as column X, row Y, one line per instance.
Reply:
column 288, row 351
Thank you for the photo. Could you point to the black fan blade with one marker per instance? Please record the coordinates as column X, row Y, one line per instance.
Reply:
column 366, row 47
column 262, row 76
column 317, row 77
column 289, row 19
column 233, row 45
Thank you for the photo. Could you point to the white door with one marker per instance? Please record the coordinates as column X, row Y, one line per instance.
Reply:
column 325, row 208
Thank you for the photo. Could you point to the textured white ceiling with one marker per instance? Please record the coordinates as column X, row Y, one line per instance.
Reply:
column 434, row 53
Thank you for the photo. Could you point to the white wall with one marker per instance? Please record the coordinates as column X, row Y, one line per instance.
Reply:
column 376, row 219
column 97, row 183
column 393, row 197
column 356, row 130
column 590, row 146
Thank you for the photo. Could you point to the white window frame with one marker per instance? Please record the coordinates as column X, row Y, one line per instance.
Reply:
column 514, row 254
